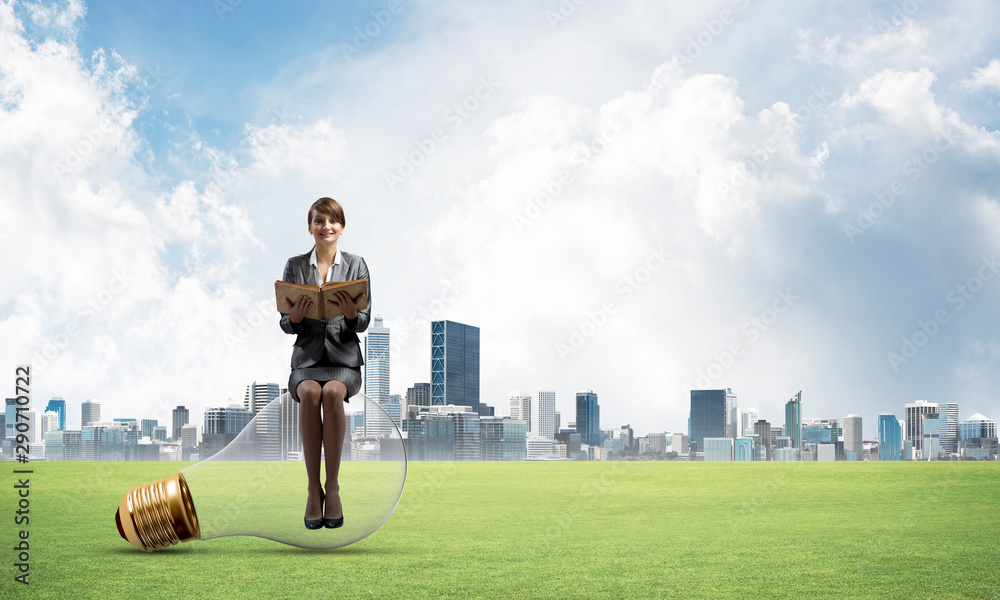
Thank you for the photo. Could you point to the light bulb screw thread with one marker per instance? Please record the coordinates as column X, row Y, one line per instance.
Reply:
column 158, row 514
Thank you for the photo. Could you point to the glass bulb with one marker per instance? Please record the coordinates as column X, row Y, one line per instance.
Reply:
column 245, row 489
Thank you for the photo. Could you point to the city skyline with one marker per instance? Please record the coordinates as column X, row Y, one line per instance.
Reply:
column 639, row 199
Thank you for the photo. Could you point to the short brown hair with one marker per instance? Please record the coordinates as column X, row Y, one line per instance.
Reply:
column 328, row 207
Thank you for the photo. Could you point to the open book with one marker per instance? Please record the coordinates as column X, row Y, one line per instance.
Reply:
column 322, row 296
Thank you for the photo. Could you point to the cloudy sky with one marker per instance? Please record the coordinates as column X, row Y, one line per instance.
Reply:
column 638, row 198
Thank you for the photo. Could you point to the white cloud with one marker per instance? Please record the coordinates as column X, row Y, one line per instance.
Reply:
column 987, row 77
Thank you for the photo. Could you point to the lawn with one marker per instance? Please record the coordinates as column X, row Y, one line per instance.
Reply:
column 553, row 530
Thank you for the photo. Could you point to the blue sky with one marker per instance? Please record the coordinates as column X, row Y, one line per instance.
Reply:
column 521, row 169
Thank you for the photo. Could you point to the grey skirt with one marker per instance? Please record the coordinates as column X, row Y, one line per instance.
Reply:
column 321, row 373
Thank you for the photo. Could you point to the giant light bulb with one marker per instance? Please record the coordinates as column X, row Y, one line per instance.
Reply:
column 245, row 490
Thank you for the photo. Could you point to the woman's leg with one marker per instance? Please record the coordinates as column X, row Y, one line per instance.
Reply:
column 311, row 430
column 334, row 427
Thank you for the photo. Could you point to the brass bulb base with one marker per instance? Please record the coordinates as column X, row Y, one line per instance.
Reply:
column 158, row 514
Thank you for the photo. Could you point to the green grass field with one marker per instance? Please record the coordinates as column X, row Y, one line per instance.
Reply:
column 555, row 530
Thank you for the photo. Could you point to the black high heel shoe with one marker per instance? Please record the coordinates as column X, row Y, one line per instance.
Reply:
column 316, row 523
column 334, row 523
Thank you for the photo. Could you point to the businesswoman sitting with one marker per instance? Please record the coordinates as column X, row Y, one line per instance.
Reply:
column 326, row 358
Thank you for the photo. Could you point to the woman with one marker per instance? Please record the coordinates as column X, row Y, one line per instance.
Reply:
column 326, row 358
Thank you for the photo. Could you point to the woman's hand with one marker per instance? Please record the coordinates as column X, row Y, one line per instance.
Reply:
column 299, row 309
column 348, row 305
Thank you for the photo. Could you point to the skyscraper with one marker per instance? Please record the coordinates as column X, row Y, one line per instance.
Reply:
column 588, row 418
column 291, row 440
column 914, row 421
column 58, row 405
column 181, row 416
column 520, row 408
column 713, row 415
column 793, row 420
column 377, row 379
column 930, row 430
column 455, row 365
column 763, row 430
column 890, row 438
column 977, row 426
column 377, row 362
column 419, row 395
column 544, row 415
column 90, row 412
column 948, row 412
column 747, row 418
column 259, row 395
column 852, row 434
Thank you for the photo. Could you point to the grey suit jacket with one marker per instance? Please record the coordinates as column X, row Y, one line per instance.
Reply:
column 339, row 336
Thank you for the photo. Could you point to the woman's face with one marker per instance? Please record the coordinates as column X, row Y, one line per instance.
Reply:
column 325, row 229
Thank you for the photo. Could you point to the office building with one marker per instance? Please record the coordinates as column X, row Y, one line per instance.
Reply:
column 718, row 448
column 852, row 434
column 747, row 419
column 467, row 435
column 914, row 421
column 520, row 408
column 58, row 405
column 977, row 426
column 930, row 447
column 544, row 415
column 948, row 424
column 226, row 419
column 181, row 416
column 890, row 437
column 713, row 414
column 377, row 363
column 657, row 442
column 762, row 429
column 146, row 426
column 291, row 440
column 62, row 445
column 793, row 420
column 743, row 449
column 503, row 438
column 826, row 452
column 455, row 366
column 428, row 435
column 90, row 412
column 679, row 444
column 259, row 395
column 419, row 395
column 588, row 418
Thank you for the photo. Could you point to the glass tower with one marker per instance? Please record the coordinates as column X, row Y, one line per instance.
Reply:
column 377, row 378
column 890, row 437
column 455, row 365
column 793, row 420
column 58, row 405
column 713, row 415
column 588, row 418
